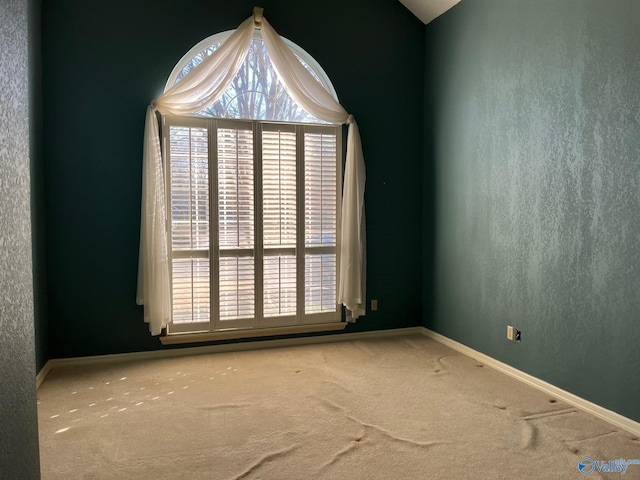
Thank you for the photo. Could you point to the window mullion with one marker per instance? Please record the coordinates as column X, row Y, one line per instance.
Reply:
column 258, row 223
column 300, row 220
column 214, row 239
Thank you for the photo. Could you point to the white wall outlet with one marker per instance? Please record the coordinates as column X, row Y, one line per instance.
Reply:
column 374, row 304
column 509, row 332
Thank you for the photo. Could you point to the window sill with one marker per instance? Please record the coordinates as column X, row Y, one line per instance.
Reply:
column 178, row 338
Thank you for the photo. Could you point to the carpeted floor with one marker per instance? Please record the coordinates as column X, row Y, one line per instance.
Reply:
column 399, row 408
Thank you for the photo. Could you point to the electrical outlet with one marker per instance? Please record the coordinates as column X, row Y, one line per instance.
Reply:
column 510, row 333
column 374, row 304
column 517, row 335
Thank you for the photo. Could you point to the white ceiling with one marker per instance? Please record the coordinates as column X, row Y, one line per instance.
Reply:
column 427, row 10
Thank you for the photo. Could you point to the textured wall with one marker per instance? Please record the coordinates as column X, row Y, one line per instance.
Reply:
column 533, row 155
column 93, row 145
column 19, row 457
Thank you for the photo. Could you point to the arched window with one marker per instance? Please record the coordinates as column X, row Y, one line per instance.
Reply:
column 253, row 195
column 256, row 92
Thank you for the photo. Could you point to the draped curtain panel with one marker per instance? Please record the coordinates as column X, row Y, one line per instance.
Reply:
column 197, row 90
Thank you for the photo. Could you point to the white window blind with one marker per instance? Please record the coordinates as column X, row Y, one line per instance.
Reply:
column 268, row 257
column 189, row 183
column 280, row 227
column 320, row 182
column 236, row 223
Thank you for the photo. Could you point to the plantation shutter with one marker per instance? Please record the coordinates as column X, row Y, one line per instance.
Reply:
column 268, row 257
column 236, row 225
column 320, row 222
column 189, row 186
column 279, row 218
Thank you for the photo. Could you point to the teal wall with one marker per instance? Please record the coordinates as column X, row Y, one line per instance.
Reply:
column 532, row 189
column 103, row 61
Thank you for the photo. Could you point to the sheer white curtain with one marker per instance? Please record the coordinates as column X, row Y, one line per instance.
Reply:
column 201, row 87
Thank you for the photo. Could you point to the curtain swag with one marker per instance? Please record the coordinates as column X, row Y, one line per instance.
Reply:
column 200, row 88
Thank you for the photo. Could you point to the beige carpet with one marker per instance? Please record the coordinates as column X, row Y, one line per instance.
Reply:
column 399, row 408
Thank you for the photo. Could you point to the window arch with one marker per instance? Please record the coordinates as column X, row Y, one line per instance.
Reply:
column 256, row 92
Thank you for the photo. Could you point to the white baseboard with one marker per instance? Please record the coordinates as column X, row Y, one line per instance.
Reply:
column 42, row 374
column 229, row 347
column 612, row 417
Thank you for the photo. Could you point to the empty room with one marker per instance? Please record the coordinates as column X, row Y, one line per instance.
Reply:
column 361, row 239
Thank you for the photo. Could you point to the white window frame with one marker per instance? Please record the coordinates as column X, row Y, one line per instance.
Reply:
column 259, row 320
